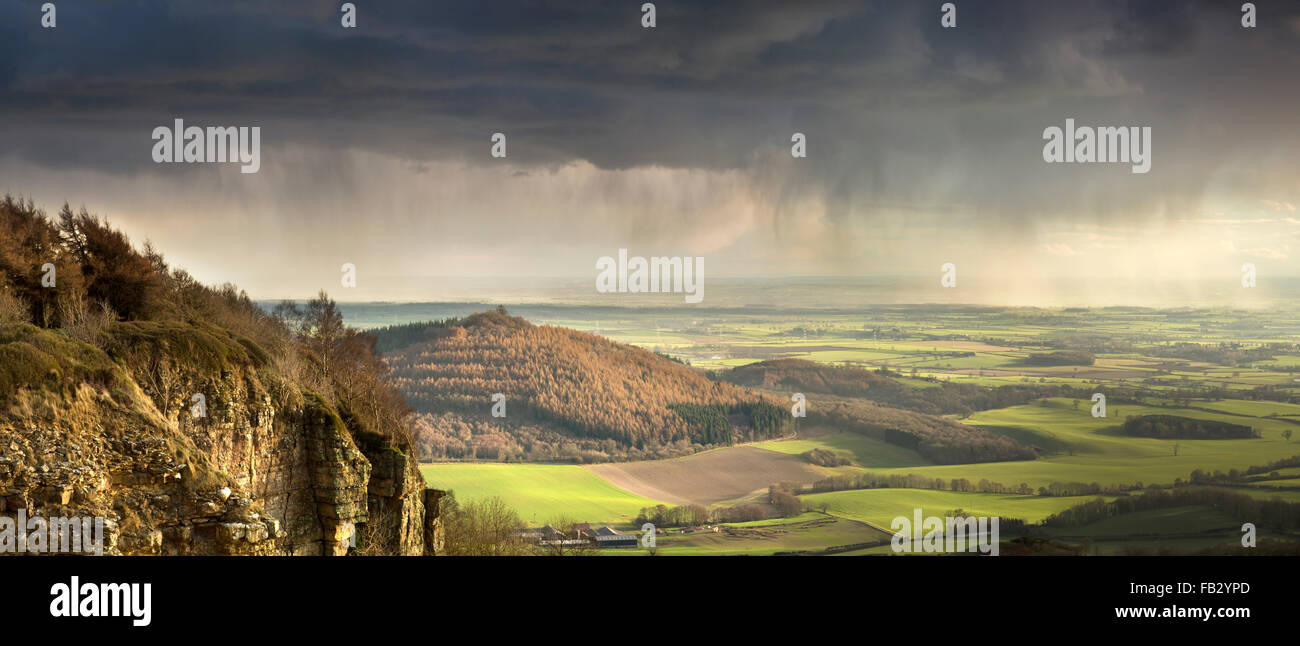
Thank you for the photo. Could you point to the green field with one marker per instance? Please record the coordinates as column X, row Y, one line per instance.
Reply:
column 807, row 532
column 865, row 451
column 1286, row 495
column 1293, row 483
column 881, row 506
column 1184, row 529
column 540, row 492
column 1088, row 449
column 1174, row 520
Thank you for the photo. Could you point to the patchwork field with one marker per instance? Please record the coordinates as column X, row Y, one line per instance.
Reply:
column 1087, row 449
column 1203, row 364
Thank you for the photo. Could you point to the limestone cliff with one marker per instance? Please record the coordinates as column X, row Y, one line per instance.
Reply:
column 251, row 466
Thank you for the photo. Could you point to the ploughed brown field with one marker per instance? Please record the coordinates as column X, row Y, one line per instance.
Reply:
column 709, row 477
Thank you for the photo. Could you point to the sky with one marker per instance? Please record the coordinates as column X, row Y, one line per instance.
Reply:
column 924, row 143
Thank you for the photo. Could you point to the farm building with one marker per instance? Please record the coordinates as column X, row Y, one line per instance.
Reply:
column 582, row 534
column 541, row 534
column 607, row 537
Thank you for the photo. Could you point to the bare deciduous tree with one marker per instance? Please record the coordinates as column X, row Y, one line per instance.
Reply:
column 482, row 527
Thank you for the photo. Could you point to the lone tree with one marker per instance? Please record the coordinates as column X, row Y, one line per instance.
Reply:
column 1286, row 435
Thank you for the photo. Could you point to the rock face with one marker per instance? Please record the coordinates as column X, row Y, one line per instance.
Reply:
column 259, row 469
column 396, row 501
column 433, row 534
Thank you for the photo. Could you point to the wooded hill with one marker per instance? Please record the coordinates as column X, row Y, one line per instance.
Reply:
column 569, row 395
column 579, row 397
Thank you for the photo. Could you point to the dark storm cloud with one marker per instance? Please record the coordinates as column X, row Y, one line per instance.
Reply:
column 890, row 100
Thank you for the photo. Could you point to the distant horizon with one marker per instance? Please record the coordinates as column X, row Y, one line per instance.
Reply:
column 837, row 292
column 825, row 300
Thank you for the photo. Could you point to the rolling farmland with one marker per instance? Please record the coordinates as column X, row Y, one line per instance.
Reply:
column 954, row 345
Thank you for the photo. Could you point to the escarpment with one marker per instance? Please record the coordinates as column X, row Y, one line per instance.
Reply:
column 187, row 439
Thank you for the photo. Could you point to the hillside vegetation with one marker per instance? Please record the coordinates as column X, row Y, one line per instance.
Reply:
column 569, row 395
column 1176, row 427
column 79, row 276
column 875, row 405
column 104, row 352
